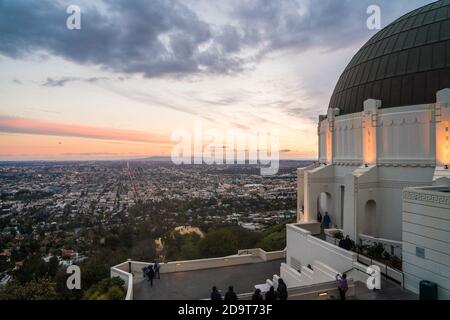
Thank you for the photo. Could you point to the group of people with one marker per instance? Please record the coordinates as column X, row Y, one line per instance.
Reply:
column 151, row 272
column 271, row 295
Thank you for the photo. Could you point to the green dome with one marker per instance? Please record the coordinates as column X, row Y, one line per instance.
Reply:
column 405, row 63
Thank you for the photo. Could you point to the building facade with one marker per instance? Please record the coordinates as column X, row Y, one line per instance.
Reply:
column 387, row 130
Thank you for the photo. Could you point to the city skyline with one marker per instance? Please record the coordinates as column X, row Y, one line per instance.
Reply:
column 118, row 87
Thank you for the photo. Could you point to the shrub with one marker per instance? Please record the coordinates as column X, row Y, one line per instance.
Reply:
column 339, row 235
column 107, row 289
column 376, row 250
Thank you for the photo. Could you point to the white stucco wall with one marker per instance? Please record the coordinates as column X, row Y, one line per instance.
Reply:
column 405, row 157
column 304, row 248
column 426, row 225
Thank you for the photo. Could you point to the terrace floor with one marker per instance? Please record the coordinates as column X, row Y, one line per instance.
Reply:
column 389, row 291
column 196, row 285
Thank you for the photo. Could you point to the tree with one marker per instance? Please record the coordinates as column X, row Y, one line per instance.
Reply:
column 219, row 243
column 33, row 268
column 107, row 289
column 41, row 289
column 144, row 250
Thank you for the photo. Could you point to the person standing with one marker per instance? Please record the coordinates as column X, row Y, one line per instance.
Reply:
column 215, row 294
column 348, row 243
column 326, row 222
column 271, row 294
column 157, row 267
column 342, row 285
column 257, row 295
column 319, row 217
column 231, row 295
column 151, row 275
column 282, row 293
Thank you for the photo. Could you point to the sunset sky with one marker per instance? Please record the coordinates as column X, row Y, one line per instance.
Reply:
column 138, row 70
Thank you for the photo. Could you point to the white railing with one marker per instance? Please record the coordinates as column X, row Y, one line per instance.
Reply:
column 306, row 248
column 392, row 273
column 127, row 278
column 264, row 255
column 391, row 246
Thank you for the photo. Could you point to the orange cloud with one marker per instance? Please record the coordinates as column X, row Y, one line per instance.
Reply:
column 40, row 127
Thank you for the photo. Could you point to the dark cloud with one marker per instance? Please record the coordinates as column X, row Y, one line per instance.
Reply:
column 302, row 24
column 167, row 38
column 156, row 38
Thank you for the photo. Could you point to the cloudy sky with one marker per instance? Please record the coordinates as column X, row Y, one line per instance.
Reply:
column 139, row 69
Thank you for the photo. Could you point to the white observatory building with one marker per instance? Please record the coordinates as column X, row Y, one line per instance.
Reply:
column 384, row 155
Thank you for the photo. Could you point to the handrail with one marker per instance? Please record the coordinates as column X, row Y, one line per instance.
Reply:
column 354, row 268
column 385, row 267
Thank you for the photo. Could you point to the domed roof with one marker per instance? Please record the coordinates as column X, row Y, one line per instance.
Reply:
column 405, row 63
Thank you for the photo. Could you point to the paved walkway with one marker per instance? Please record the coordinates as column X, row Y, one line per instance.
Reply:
column 195, row 285
column 389, row 291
